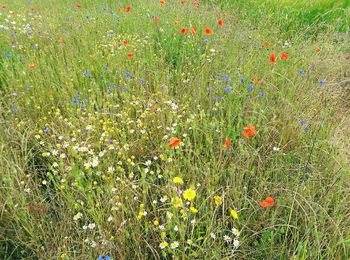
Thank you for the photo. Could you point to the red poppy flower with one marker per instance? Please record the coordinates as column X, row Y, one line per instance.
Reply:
column 193, row 30
column 256, row 79
column 284, row 56
column 3, row 6
column 32, row 66
column 196, row 3
column 174, row 142
column 273, row 58
column 61, row 40
column 156, row 19
column 130, row 55
column 125, row 42
column 220, row 23
column 128, row 9
column 265, row 44
column 183, row 31
column 268, row 202
column 318, row 49
column 249, row 131
column 35, row 209
column 78, row 5
column 208, row 31
column 155, row 107
column 162, row 2
column 227, row 144
column 182, row 2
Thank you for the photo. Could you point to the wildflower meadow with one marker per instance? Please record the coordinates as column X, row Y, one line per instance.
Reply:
column 174, row 129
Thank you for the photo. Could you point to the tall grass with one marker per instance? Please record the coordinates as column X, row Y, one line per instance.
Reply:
column 86, row 154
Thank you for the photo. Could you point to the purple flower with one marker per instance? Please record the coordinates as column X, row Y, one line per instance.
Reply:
column 302, row 122
column 74, row 101
column 179, row 191
column 127, row 74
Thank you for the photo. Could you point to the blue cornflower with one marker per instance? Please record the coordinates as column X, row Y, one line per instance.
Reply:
column 322, row 82
column 78, row 95
column 243, row 79
column 105, row 68
column 46, row 129
column 262, row 94
column 74, row 101
column 85, row 100
column 104, row 9
column 87, row 17
column 8, row 55
column 306, row 129
column 206, row 40
column 217, row 98
column 228, row 89
column 86, row 73
column 250, row 87
column 110, row 141
column 82, row 107
column 109, row 86
column 209, row 89
column 127, row 74
column 142, row 81
column 225, row 78
column 28, row 87
column 36, row 46
column 302, row 122
column 116, row 86
column 123, row 89
column 301, row 72
column 104, row 257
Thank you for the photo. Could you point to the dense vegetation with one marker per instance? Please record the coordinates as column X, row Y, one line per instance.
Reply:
column 174, row 129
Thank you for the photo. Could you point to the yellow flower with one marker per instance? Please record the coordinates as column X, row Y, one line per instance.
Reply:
column 193, row 210
column 189, row 194
column 178, row 180
column 177, row 202
column 156, row 222
column 217, row 200
column 163, row 245
column 234, row 214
